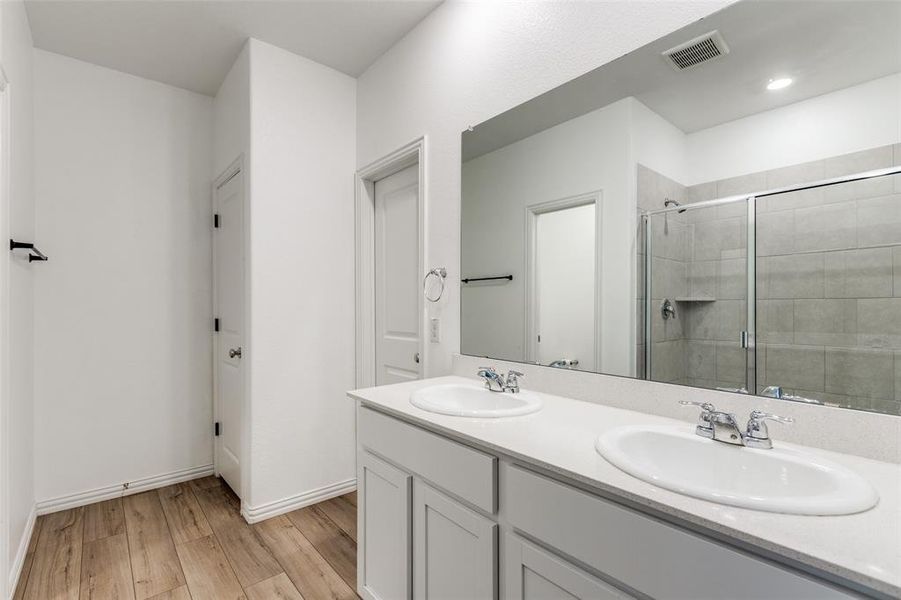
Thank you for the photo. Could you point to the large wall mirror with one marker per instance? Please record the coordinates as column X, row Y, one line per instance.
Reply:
column 720, row 208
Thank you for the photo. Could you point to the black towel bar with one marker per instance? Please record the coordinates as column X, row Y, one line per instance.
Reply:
column 469, row 279
column 33, row 253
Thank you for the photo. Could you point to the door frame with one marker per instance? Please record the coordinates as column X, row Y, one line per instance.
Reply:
column 410, row 154
column 531, row 265
column 10, row 578
column 237, row 166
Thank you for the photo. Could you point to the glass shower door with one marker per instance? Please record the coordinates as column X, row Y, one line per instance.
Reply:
column 698, row 327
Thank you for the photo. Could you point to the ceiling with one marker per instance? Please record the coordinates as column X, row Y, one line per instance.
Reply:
column 193, row 43
column 825, row 45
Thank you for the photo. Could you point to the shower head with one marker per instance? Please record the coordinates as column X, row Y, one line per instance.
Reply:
column 667, row 202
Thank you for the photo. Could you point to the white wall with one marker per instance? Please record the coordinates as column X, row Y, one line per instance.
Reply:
column 301, row 276
column 837, row 123
column 468, row 61
column 587, row 154
column 123, row 334
column 16, row 378
column 231, row 115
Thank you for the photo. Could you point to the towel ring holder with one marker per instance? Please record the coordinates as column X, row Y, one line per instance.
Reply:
column 441, row 274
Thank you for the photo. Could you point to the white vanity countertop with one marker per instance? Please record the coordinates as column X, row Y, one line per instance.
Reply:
column 864, row 548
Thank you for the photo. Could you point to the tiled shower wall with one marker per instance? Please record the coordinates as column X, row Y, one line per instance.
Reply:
column 828, row 284
column 670, row 249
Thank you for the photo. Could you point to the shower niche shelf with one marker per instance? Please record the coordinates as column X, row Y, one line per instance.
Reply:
column 694, row 299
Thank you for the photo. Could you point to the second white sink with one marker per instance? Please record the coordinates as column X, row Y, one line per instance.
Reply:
column 464, row 400
column 776, row 480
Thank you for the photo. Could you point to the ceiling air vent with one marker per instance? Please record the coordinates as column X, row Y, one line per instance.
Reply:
column 699, row 50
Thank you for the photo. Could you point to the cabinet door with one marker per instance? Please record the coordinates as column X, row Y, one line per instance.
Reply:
column 533, row 574
column 454, row 549
column 384, row 505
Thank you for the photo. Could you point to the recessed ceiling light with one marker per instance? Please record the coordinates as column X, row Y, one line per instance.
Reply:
column 780, row 83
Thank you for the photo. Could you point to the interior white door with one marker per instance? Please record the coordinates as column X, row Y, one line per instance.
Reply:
column 398, row 326
column 565, row 285
column 229, row 342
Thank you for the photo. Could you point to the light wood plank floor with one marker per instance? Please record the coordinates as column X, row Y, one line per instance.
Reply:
column 189, row 542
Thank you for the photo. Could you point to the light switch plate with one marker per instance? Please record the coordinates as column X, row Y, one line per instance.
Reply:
column 435, row 331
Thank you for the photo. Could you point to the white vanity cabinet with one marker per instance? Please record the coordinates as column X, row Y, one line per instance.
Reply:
column 423, row 509
column 440, row 519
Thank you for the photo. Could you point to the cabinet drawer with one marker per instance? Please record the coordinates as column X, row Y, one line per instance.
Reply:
column 467, row 473
column 647, row 555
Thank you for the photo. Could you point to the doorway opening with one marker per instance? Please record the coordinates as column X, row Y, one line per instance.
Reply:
column 562, row 282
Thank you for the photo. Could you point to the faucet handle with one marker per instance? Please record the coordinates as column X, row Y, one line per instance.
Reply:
column 512, row 381
column 758, row 416
column 757, row 435
column 704, row 427
column 704, row 406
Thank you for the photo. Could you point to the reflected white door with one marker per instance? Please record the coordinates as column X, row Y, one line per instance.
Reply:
column 229, row 342
column 565, row 285
column 397, row 320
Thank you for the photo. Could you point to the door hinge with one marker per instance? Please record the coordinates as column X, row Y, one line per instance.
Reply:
column 216, row 324
column 216, row 221
column 216, row 428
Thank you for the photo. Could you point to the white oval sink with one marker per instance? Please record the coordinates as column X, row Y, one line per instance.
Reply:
column 474, row 401
column 776, row 480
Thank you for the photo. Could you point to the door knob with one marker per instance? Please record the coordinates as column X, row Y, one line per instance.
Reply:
column 234, row 353
column 416, row 358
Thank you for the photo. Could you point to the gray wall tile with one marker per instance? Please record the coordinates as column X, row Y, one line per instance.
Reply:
column 826, row 322
column 776, row 321
column 711, row 238
column 879, row 221
column 793, row 175
column 700, row 192
column 879, row 322
column 865, row 273
column 896, row 269
column 858, row 162
column 703, row 278
column 700, row 359
column 731, row 362
column 793, row 276
column 733, row 279
column 775, row 233
column 796, row 367
column 828, row 227
column 859, row 372
column 898, row 376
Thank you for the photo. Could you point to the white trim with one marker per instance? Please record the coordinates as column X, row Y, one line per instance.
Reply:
column 364, row 235
column 5, row 395
column 16, row 571
column 255, row 514
column 531, row 313
column 116, row 491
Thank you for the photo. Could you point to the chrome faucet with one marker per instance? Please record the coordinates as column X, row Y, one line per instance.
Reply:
column 496, row 382
column 723, row 427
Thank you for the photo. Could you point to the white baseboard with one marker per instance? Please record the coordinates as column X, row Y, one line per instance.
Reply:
column 16, row 571
column 115, row 491
column 255, row 514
